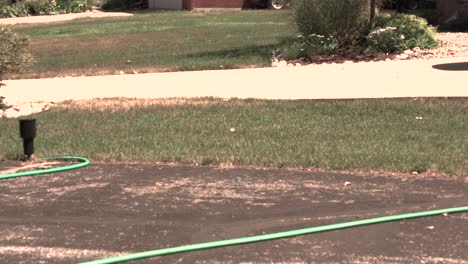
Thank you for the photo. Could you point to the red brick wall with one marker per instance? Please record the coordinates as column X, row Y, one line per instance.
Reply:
column 191, row 4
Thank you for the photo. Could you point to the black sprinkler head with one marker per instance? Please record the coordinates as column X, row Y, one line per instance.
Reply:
column 28, row 133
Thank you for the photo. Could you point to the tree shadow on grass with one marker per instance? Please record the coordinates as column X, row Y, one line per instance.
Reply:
column 460, row 66
column 264, row 52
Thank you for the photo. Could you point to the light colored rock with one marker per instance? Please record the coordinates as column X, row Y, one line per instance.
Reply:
column 282, row 63
column 275, row 62
column 402, row 57
column 408, row 52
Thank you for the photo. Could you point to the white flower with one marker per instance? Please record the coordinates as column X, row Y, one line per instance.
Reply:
column 381, row 30
column 402, row 36
column 316, row 36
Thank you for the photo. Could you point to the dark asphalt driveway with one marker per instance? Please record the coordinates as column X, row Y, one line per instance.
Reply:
column 109, row 209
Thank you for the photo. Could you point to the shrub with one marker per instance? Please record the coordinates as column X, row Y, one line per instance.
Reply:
column 40, row 7
column 396, row 33
column 43, row 7
column 343, row 20
column 13, row 10
column 74, row 6
column 14, row 55
column 306, row 47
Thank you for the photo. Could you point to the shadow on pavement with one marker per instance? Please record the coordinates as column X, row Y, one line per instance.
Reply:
column 460, row 66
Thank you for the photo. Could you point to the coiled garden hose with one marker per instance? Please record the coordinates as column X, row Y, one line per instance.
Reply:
column 235, row 241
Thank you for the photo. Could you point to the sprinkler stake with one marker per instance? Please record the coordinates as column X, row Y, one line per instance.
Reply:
column 28, row 133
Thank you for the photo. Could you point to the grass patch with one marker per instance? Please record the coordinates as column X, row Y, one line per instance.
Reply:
column 159, row 41
column 339, row 135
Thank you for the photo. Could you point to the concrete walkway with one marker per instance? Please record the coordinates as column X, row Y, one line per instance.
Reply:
column 60, row 18
column 385, row 79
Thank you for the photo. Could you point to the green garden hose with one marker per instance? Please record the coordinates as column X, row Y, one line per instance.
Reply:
column 235, row 241
column 286, row 234
column 83, row 163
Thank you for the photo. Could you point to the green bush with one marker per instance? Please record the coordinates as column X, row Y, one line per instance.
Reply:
column 344, row 20
column 43, row 7
column 396, row 33
column 40, row 7
column 306, row 47
column 18, row 9
column 25, row 8
column 74, row 6
column 14, row 54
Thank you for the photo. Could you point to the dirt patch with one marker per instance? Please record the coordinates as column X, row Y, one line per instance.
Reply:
column 125, row 104
column 15, row 167
column 121, row 208
column 451, row 45
column 199, row 191
column 454, row 38
column 117, row 104
column 104, row 104
column 56, row 252
column 65, row 189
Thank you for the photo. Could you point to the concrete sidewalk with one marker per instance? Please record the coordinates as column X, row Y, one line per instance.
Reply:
column 384, row 79
column 60, row 17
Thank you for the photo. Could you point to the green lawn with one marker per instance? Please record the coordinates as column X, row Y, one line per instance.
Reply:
column 382, row 135
column 159, row 41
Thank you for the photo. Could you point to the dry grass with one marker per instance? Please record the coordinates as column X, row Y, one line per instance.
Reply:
column 126, row 104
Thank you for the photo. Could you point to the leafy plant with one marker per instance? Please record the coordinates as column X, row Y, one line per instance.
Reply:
column 74, row 6
column 343, row 20
column 43, row 7
column 17, row 9
column 14, row 55
column 40, row 7
column 307, row 47
column 396, row 33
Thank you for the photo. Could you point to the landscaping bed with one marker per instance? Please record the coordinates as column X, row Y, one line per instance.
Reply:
column 450, row 45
